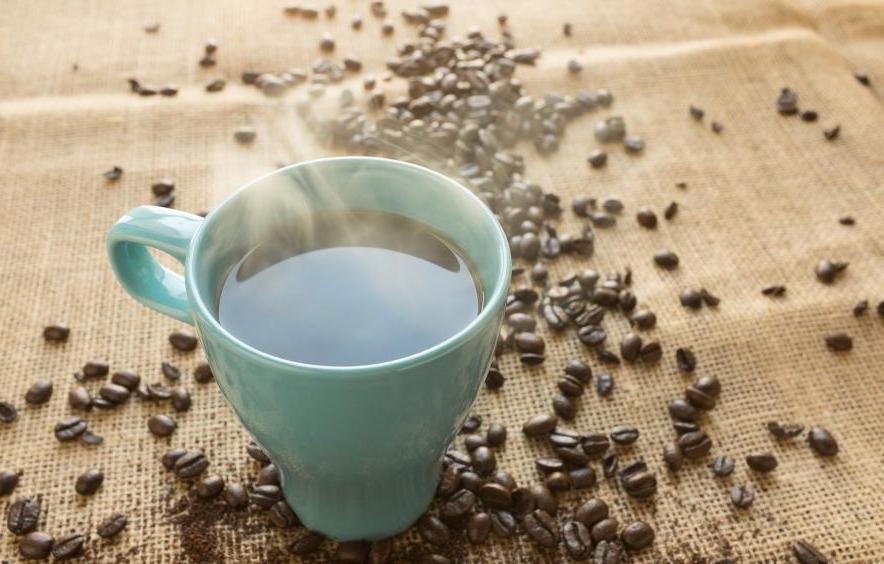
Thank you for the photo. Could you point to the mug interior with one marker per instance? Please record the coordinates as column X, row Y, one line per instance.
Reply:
column 270, row 206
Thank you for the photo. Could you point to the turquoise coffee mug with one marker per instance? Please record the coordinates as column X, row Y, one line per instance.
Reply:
column 359, row 448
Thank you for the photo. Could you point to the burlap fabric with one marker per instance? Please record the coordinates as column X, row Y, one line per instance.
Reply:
column 761, row 207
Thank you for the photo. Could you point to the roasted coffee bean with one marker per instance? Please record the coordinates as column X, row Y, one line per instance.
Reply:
column 595, row 444
column 643, row 319
column 183, row 340
column 695, row 445
column 114, row 393
column 607, row 552
column 494, row 380
column 541, row 527
column 630, row 347
column 479, row 527
column 495, row 496
column 468, row 481
column 531, row 359
column 548, row 465
column 709, row 385
column 610, row 462
column 496, row 434
column 612, row 205
column 154, row 392
column 672, row 456
column 709, row 298
column 763, row 462
column 23, row 516
column 544, row 498
column 306, row 544
column 523, row 500
column 822, row 442
column 268, row 476
column 244, row 134
column 539, row 425
column 558, row 482
column 112, row 526
column 68, row 546
column 826, row 270
column 682, row 427
column 162, row 187
column 597, row 159
column 89, row 481
column 432, row 530
column 381, row 552
column 651, row 352
column 8, row 482
column 646, row 218
column 257, row 453
column 604, row 384
column 555, row 317
column 624, row 434
column 564, row 407
column 838, row 341
column 352, row 552
column 505, row 479
column 265, row 496
column 472, row 442
column 685, row 359
column 742, row 496
column 95, row 369
column 521, row 321
column 448, row 482
column 682, row 410
column 666, row 259
column 102, row 403
column 459, row 504
column 161, row 425
column 483, row 460
column 471, row 424
column 127, row 379
column 282, row 516
column 637, row 535
column 115, row 173
column 573, row 456
column 691, row 299
column 57, row 333
column 591, row 512
column 171, row 456
column 235, row 496
column 880, row 309
column 773, row 290
column 671, row 210
column 36, row 546
column 787, row 102
column 503, row 524
column 699, row 399
column 723, row 466
column 180, row 399
column 806, row 553
column 203, row 373
column 91, row 439
column 39, row 392
column 170, row 371
column 529, row 342
column 457, row 459
column 210, row 487
column 696, row 112
column 582, row 478
column 592, row 335
column 192, row 465
column 69, row 429
column 604, row 530
column 628, row 301
column 602, row 220
column 638, row 481
column 562, row 437
column 784, row 431
column 861, row 308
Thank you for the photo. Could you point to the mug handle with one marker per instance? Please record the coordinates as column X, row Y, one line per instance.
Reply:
column 138, row 271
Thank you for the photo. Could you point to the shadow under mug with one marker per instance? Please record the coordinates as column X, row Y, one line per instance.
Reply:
column 358, row 448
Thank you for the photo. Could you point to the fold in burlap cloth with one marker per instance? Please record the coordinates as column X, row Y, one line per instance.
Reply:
column 761, row 207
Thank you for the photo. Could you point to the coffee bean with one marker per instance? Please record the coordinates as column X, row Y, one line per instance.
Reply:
column 610, row 129
column 666, row 259
column 203, row 373
column 116, row 172
column 479, row 527
column 672, row 456
column 235, row 496
column 543, row 499
column 68, row 546
column 630, row 347
column 459, row 504
column 496, row 434
column 604, row 530
column 564, row 407
column 643, row 319
column 548, row 465
column 154, row 392
column 539, row 425
column 36, row 546
column 472, row 423
column 483, row 460
column 558, row 482
column 265, row 496
column 633, row 145
column 604, row 384
column 210, row 487
column 670, row 211
column 161, row 425
column 592, row 335
column 723, row 466
column 637, row 481
column 806, row 553
column 696, row 112
column 647, row 219
column 691, row 298
column 183, row 340
column 708, row 298
column 524, row 500
column 89, row 481
column 567, row 438
column 763, row 462
column 8, row 482
column 162, row 187
column 56, row 333
column 651, row 352
column 505, row 479
column 822, row 442
column 624, row 434
column 582, row 478
column 591, row 512
column 597, row 159
column 637, row 535
column 170, row 371
column 180, row 399
column 127, row 379
column 282, row 516
column 838, row 341
column 579, row 370
column 682, row 410
column 269, row 475
column 742, row 496
column 306, row 544
column 70, row 429
column 529, row 343
column 787, row 102
column 521, row 321
column 191, row 465
column 39, row 393
column 607, row 552
column 847, row 220
column 699, row 399
column 472, row 442
column 432, row 530
column 457, row 459
column 171, row 456
column 682, row 427
column 695, row 445
column 95, row 369
column 595, row 444
column 784, row 431
column 861, row 308
column 244, row 134
column 610, row 462
column 809, row 115
column 91, row 439
column 826, row 270
column 381, row 552
column 709, row 385
column 495, row 496
column 112, row 526
column 541, row 528
column 494, row 380
column 773, row 290
column 114, row 393
column 23, row 516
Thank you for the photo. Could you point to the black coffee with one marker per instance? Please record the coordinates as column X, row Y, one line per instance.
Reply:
column 350, row 288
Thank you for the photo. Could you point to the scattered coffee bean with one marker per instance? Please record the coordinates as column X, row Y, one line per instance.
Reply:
column 306, row 544
column 708, row 298
column 860, row 308
column 36, row 546
column 832, row 133
column 8, row 482
column 56, row 333
column 114, row 173
column 699, row 399
column 95, row 369
column 624, row 434
column 806, row 553
column 610, row 129
column 787, row 102
column 574, row 66
column 582, row 478
column 269, row 475
column 696, row 112
column 432, row 530
column 610, row 462
column 666, row 259
column 672, row 456
column 685, row 359
column 637, row 535
column 70, row 429
column 496, row 434
column 180, row 399
column 171, row 456
column 22, row 516
column 847, row 220
column 716, row 127
column 112, row 526
column 709, row 385
column 763, row 462
column 183, row 340
column 203, row 373
column 503, row 524
column 838, row 341
column 643, row 319
column 235, row 496
column 244, row 134
column 630, row 347
column 114, row 393
column 564, row 407
column 694, row 445
column 742, row 496
column 472, row 423
column 597, row 159
column 161, row 425
column 265, row 496
column 822, row 442
column 809, row 115
column 91, row 439
column 608, row 552
column 88, row 482
column 880, row 309
column 682, row 410
column 651, row 352
column 164, row 201
column 68, row 546
column 39, row 393
column 539, row 425
column 723, row 466
column 670, row 211
column 638, row 481
column 170, row 371
column 604, row 530
column 691, row 298
column 784, row 431
column 633, row 145
column 210, row 487
column 127, row 379
column 494, row 379
column 826, row 270
column 595, row 444
column 773, row 290
column 529, row 342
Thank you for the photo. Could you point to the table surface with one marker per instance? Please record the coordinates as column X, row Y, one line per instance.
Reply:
column 761, row 207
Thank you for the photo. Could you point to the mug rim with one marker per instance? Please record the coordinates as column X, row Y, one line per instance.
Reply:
column 489, row 309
